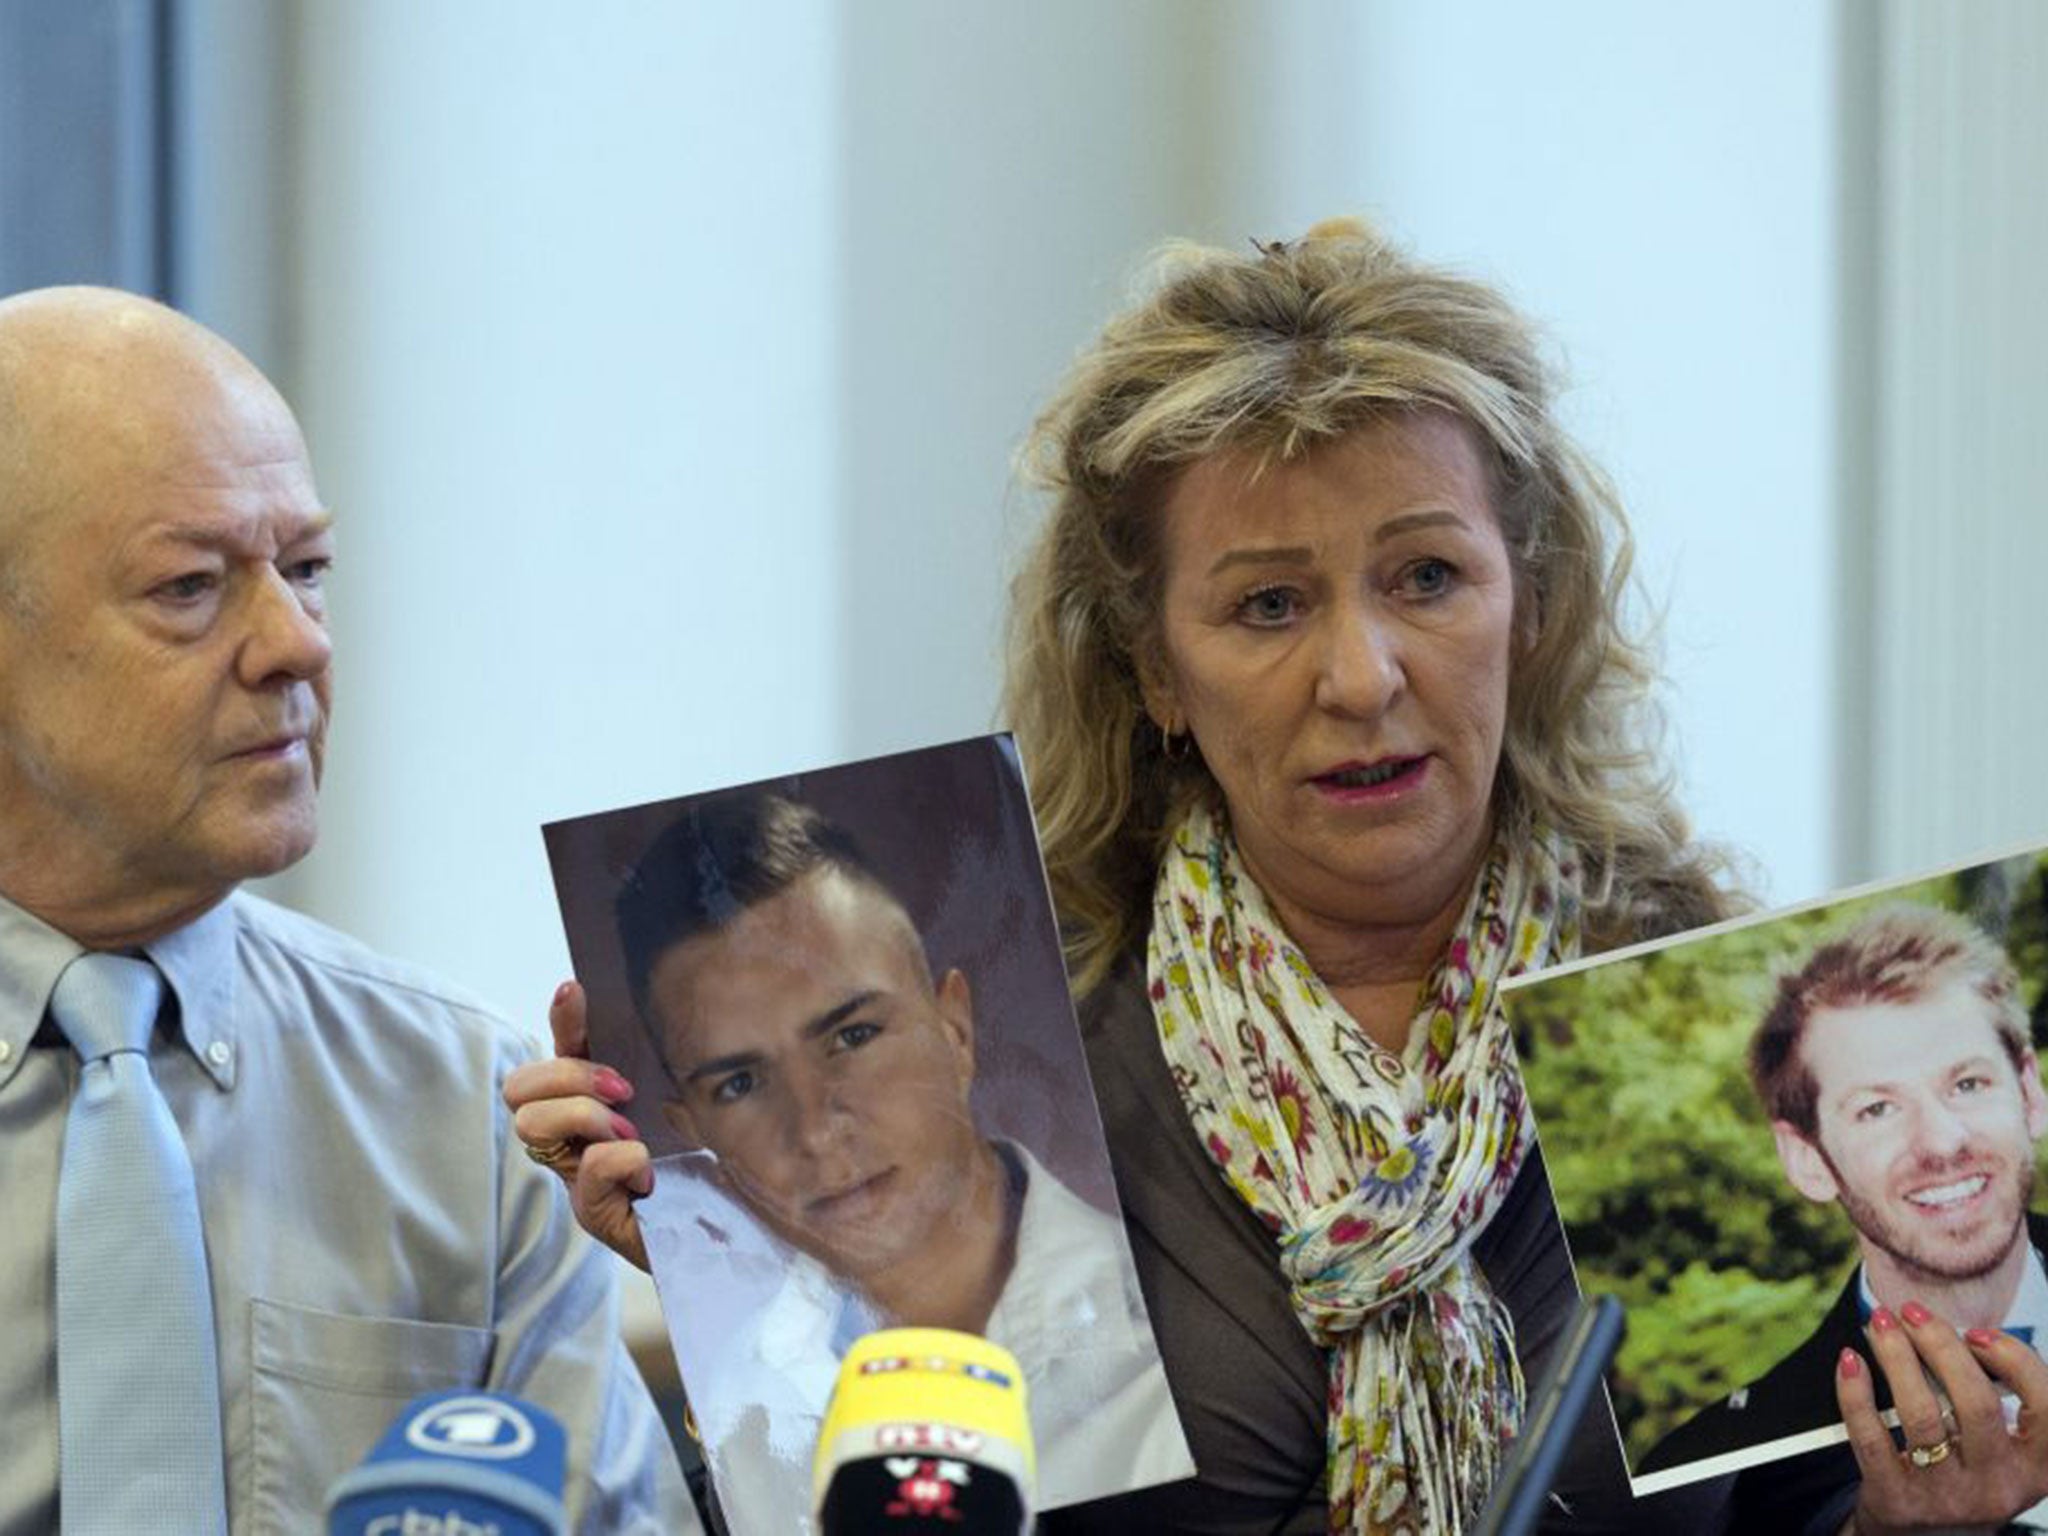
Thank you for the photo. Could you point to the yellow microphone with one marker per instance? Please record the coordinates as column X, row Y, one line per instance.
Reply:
column 927, row 1430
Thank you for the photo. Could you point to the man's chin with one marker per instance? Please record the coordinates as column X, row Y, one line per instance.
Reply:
column 1957, row 1257
column 270, row 846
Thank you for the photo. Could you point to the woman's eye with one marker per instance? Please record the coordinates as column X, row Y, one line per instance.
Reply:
column 1269, row 605
column 1876, row 1109
column 1429, row 578
column 733, row 1088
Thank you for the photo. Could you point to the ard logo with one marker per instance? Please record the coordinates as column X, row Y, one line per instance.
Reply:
column 475, row 1428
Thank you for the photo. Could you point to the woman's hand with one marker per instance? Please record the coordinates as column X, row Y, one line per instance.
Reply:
column 564, row 1112
column 1987, row 1474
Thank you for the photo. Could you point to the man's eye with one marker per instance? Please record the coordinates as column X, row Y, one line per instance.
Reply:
column 851, row 1037
column 733, row 1087
column 1269, row 605
column 188, row 588
column 310, row 572
column 1430, row 578
column 1976, row 1082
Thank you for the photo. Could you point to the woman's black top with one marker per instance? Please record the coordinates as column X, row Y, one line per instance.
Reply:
column 1249, row 1383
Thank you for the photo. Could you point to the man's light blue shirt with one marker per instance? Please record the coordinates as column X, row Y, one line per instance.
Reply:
column 371, row 1232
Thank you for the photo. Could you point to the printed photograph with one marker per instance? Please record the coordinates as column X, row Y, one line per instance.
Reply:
column 840, row 998
column 1767, row 1136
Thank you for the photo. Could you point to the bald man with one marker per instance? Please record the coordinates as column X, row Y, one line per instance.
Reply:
column 361, row 1236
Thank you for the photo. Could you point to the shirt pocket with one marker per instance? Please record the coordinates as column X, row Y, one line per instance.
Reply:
column 324, row 1387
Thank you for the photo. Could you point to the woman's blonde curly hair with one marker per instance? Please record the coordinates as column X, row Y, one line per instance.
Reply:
column 1272, row 353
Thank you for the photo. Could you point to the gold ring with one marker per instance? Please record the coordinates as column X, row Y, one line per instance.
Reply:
column 1928, row 1455
column 550, row 1154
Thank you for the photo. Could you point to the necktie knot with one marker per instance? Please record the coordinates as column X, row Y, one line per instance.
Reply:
column 106, row 1003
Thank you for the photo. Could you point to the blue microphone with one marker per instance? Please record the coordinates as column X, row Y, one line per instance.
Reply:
column 457, row 1463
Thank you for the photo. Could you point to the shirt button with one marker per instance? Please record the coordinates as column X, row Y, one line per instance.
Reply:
column 218, row 1053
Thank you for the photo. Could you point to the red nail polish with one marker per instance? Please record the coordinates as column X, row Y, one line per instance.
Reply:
column 611, row 1087
column 1983, row 1338
column 623, row 1128
column 1851, row 1363
column 1882, row 1320
column 1916, row 1314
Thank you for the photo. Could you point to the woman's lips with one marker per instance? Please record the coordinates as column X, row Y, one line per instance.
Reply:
column 1364, row 783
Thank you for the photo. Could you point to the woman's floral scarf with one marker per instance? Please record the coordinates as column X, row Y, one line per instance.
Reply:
column 1375, row 1171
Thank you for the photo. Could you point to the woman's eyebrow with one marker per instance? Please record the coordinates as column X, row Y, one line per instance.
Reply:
column 1293, row 554
column 1408, row 522
column 1298, row 554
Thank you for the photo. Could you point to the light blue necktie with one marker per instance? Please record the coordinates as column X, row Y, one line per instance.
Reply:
column 138, row 1394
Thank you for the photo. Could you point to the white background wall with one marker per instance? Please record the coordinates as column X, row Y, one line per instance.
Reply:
column 1656, row 183
column 1952, row 537
column 664, row 364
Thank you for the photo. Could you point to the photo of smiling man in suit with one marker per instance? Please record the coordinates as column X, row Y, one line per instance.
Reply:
column 1900, row 1082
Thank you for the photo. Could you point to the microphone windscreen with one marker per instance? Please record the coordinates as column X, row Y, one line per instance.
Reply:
column 459, row 1463
column 927, row 1430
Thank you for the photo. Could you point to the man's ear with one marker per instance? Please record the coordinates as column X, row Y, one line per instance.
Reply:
column 2032, row 1097
column 1803, row 1164
column 956, row 1015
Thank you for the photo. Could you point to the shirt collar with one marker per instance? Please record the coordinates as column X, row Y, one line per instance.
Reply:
column 32, row 956
column 2030, row 1306
column 197, row 962
column 2029, row 1309
column 814, row 1310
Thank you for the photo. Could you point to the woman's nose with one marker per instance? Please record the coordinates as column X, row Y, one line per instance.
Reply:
column 1362, row 672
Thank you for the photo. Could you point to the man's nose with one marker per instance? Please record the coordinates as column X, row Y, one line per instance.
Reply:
column 1938, row 1131
column 1361, row 672
column 816, row 1112
column 287, row 640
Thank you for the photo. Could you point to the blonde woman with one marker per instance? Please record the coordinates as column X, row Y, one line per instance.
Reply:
column 1331, row 723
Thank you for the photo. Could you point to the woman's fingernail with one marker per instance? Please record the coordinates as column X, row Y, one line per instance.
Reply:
column 1851, row 1363
column 1916, row 1314
column 623, row 1128
column 1883, row 1321
column 1983, row 1338
column 611, row 1087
